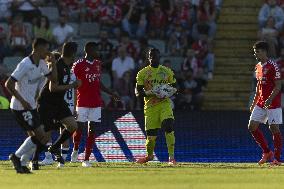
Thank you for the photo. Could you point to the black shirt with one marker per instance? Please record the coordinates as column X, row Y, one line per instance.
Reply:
column 63, row 78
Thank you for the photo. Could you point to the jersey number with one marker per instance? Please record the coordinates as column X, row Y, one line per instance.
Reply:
column 69, row 94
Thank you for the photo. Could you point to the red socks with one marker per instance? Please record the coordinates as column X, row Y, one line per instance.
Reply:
column 89, row 145
column 260, row 140
column 277, row 142
column 77, row 138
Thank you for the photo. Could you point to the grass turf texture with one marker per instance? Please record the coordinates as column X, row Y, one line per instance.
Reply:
column 151, row 175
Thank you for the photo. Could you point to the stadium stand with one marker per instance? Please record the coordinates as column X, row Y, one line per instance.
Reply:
column 231, row 84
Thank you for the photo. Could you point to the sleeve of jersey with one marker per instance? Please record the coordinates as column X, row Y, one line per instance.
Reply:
column 75, row 69
column 171, row 77
column 140, row 78
column 20, row 71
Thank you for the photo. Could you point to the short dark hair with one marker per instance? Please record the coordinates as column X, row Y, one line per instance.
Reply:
column 153, row 49
column 39, row 42
column 263, row 45
column 69, row 49
column 90, row 45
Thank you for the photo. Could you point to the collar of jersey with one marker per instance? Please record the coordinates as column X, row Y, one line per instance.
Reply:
column 89, row 62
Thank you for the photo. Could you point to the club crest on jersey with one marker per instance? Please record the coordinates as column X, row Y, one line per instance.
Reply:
column 87, row 69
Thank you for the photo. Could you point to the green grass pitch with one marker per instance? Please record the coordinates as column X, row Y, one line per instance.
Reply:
column 148, row 176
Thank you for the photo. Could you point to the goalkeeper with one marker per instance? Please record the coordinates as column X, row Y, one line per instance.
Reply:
column 154, row 84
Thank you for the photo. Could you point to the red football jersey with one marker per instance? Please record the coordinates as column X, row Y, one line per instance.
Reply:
column 89, row 93
column 266, row 74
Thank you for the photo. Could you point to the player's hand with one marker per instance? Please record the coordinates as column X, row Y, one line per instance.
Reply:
column 26, row 105
column 267, row 103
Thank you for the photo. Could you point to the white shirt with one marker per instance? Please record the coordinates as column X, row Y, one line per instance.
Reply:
column 29, row 77
column 61, row 33
column 121, row 66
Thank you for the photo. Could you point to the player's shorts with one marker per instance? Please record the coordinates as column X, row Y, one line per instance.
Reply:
column 273, row 116
column 51, row 114
column 27, row 119
column 89, row 114
column 155, row 115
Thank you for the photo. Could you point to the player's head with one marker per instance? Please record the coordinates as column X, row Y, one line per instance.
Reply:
column 122, row 52
column 41, row 47
column 154, row 57
column 69, row 50
column 260, row 50
column 91, row 49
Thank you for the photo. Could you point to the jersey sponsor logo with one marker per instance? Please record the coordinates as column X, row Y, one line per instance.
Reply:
column 92, row 77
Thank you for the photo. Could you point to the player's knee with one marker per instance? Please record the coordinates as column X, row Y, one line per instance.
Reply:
column 274, row 128
column 71, row 127
column 168, row 125
column 152, row 133
column 252, row 126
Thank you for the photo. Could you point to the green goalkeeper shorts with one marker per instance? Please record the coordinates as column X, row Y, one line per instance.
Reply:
column 155, row 115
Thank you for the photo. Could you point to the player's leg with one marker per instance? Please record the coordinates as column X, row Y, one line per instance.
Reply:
column 64, row 147
column 43, row 138
column 151, row 136
column 76, row 141
column 168, row 126
column 167, row 119
column 29, row 121
column 66, row 118
column 70, row 126
column 259, row 115
column 89, row 143
column 152, row 126
column 48, row 160
column 94, row 117
column 274, row 120
column 82, row 118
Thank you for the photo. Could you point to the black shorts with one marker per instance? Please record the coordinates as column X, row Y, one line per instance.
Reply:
column 27, row 119
column 50, row 115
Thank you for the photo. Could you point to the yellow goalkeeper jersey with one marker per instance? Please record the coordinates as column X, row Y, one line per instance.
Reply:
column 150, row 77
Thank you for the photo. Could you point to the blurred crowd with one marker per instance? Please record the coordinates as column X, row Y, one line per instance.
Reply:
column 183, row 30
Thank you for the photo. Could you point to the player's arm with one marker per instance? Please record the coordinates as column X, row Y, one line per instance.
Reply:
column 273, row 94
column 141, row 92
column 108, row 91
column 277, row 86
column 54, row 84
column 11, row 87
column 255, row 98
column 16, row 76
